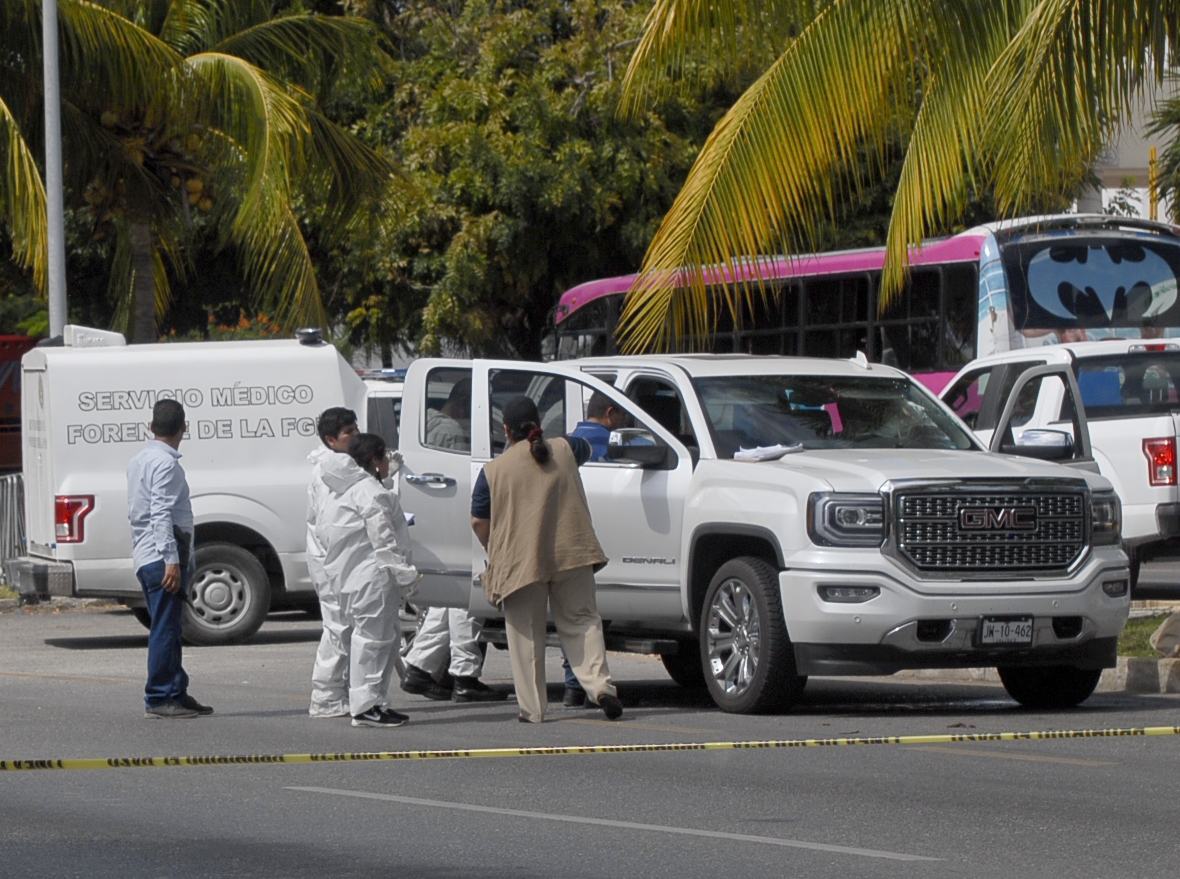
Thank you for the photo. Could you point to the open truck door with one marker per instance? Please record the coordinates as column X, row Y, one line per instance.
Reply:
column 1066, row 442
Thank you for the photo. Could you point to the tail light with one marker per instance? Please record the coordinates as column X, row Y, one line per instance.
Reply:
column 1161, row 460
column 69, row 516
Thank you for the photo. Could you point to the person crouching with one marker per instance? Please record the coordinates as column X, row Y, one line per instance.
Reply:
column 367, row 557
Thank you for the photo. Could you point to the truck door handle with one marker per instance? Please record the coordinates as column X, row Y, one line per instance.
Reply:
column 430, row 479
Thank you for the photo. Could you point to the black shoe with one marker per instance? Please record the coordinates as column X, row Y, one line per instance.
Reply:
column 379, row 717
column 168, row 711
column 187, row 701
column 420, row 683
column 475, row 690
column 574, row 698
column 611, row 706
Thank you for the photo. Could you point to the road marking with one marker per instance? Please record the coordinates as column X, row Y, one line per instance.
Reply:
column 622, row 825
column 1032, row 758
column 86, row 680
column 631, row 724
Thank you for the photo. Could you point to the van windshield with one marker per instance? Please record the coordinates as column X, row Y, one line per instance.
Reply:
column 825, row 412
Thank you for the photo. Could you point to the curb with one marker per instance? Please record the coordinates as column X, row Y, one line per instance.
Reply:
column 1133, row 674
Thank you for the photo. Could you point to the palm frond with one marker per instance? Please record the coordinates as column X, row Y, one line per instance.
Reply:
column 110, row 61
column 301, row 48
column 733, row 33
column 359, row 179
column 1066, row 83
column 22, row 199
column 942, row 160
column 272, row 127
column 781, row 161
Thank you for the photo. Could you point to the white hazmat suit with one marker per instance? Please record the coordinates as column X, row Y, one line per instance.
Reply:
column 329, row 676
column 367, row 562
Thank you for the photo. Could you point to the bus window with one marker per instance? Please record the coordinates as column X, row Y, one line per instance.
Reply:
column 960, row 312
column 585, row 332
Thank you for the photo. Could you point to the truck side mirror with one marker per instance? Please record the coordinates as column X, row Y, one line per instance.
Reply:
column 637, row 445
column 1044, row 445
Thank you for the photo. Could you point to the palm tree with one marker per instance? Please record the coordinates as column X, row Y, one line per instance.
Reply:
column 184, row 118
column 1015, row 97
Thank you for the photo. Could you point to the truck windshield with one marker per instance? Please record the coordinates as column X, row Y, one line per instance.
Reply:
column 1135, row 383
column 825, row 412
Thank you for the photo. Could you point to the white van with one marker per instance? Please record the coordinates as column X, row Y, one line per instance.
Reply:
column 251, row 409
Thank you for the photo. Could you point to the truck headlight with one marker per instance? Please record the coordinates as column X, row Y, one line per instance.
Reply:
column 1106, row 519
column 846, row 519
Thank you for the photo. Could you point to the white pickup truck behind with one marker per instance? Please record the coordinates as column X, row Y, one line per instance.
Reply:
column 1129, row 389
column 888, row 538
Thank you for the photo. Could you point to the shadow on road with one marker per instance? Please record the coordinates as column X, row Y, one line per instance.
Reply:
column 100, row 642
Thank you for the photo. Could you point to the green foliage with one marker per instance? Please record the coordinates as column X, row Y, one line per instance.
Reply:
column 523, row 178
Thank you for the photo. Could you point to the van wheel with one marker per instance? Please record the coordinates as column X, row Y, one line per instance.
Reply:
column 685, row 667
column 144, row 617
column 1053, row 686
column 745, row 650
column 230, row 596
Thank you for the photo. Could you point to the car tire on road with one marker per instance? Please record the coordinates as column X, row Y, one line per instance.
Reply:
column 746, row 654
column 685, row 667
column 1053, row 686
column 230, row 596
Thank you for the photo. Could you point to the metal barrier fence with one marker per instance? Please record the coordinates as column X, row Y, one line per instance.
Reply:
column 12, row 519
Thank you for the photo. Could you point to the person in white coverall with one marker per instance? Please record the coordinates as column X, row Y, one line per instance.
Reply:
column 448, row 638
column 329, row 676
column 367, row 561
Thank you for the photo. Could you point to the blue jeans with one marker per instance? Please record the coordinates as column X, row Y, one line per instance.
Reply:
column 571, row 679
column 166, row 681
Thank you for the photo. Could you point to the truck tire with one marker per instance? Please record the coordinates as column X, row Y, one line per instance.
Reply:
column 685, row 667
column 746, row 654
column 143, row 615
column 230, row 596
column 1053, row 686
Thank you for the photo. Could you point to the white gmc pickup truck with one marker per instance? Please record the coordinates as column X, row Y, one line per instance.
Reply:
column 885, row 537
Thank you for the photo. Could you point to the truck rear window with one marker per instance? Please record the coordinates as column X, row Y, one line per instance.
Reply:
column 1130, row 384
column 825, row 412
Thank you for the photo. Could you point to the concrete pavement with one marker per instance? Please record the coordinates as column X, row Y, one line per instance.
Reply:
column 71, row 686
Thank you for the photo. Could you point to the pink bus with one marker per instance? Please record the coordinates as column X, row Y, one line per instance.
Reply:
column 1015, row 284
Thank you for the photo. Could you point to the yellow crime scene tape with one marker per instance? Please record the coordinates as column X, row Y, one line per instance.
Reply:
column 369, row 756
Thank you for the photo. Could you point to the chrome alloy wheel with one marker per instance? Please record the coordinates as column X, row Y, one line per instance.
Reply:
column 221, row 595
column 733, row 633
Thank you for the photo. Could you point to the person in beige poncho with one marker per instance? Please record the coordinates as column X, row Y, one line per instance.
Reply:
column 529, row 511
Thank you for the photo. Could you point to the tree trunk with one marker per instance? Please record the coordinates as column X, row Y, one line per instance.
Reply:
column 143, row 288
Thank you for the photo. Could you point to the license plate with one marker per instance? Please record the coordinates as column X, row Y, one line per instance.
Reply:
column 1009, row 631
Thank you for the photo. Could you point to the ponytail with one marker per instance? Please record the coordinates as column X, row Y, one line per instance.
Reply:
column 536, row 440
column 521, row 422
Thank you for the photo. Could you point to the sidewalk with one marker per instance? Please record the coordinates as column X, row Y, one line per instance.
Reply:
column 1131, row 675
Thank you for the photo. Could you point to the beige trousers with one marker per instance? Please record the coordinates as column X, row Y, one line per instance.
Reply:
column 570, row 597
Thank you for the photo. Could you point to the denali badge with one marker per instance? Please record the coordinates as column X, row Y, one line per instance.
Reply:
column 998, row 518
column 638, row 560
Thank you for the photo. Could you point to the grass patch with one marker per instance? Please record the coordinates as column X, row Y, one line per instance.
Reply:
column 8, row 592
column 1133, row 640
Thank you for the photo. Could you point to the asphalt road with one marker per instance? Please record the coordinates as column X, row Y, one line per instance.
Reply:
column 71, row 686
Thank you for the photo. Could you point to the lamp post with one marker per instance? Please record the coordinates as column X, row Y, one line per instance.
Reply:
column 55, row 210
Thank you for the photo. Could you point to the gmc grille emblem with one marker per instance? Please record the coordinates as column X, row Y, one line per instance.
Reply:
column 998, row 518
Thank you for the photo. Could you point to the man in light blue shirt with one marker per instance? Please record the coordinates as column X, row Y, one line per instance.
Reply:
column 162, row 539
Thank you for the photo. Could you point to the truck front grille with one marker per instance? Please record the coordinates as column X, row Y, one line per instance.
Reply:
column 966, row 531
